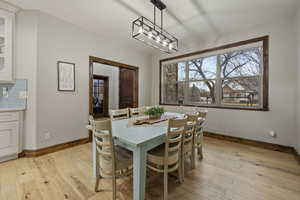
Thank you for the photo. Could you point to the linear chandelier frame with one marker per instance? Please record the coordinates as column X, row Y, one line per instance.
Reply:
column 152, row 34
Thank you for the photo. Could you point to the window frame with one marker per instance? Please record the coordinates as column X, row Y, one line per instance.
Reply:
column 264, row 95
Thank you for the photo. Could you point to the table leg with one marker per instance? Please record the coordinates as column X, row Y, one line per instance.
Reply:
column 94, row 156
column 139, row 173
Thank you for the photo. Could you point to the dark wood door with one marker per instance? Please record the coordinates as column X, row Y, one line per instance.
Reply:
column 128, row 89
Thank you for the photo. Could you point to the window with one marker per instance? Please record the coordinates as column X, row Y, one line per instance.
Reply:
column 232, row 76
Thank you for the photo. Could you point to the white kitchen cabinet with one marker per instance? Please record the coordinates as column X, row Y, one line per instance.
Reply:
column 7, row 21
column 9, row 137
column 10, row 134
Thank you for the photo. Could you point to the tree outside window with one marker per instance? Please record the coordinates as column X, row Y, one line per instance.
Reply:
column 232, row 79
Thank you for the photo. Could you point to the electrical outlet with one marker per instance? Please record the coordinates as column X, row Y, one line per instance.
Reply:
column 273, row 134
column 47, row 135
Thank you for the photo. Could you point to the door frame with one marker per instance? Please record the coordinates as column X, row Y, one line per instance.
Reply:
column 106, row 95
column 92, row 60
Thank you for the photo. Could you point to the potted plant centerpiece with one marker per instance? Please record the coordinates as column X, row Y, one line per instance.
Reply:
column 155, row 112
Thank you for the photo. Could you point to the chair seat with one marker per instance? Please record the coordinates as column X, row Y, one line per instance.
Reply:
column 157, row 156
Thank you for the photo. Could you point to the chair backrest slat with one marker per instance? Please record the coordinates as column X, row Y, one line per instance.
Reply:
column 137, row 111
column 119, row 114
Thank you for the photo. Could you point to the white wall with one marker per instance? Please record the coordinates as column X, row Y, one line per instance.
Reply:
column 298, row 59
column 26, row 68
column 42, row 41
column 282, row 93
column 113, row 76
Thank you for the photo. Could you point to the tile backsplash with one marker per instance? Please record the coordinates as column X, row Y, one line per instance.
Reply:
column 16, row 96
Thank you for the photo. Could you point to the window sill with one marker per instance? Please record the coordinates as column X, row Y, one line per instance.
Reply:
column 219, row 107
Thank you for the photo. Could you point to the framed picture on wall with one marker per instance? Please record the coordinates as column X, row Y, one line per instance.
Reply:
column 66, row 76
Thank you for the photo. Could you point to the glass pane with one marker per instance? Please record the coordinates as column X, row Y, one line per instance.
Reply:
column 1, row 63
column 180, row 94
column 241, row 92
column 2, row 35
column 98, row 96
column 241, row 63
column 201, row 92
column 181, row 71
column 169, row 86
column 203, row 68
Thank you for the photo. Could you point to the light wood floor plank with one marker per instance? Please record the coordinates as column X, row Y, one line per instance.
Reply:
column 229, row 171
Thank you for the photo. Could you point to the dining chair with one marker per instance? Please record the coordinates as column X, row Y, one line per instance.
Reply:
column 201, row 120
column 203, row 113
column 112, row 162
column 188, row 142
column 119, row 114
column 134, row 112
column 137, row 111
column 166, row 158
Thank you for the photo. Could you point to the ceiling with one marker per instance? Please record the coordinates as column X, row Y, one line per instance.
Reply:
column 191, row 21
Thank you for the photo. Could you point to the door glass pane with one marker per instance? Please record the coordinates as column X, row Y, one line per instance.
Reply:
column 98, row 96
column 241, row 91
column 201, row 92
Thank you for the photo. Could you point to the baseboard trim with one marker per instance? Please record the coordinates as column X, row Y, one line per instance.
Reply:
column 51, row 149
column 265, row 145
column 297, row 155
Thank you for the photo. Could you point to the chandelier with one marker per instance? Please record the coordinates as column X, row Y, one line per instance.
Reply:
column 152, row 34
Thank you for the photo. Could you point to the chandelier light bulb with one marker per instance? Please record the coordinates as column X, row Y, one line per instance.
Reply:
column 170, row 46
column 141, row 30
column 150, row 35
column 164, row 43
column 158, row 39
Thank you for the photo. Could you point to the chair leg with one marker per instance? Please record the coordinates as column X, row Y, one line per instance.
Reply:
column 200, row 153
column 97, row 184
column 165, row 185
column 180, row 171
column 114, row 186
column 182, row 167
column 97, row 173
column 192, row 162
column 193, row 158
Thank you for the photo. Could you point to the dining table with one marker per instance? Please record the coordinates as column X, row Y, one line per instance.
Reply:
column 139, row 139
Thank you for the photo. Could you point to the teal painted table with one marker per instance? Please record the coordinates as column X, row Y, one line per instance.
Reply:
column 138, row 139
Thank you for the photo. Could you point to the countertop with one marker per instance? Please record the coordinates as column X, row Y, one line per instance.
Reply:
column 11, row 109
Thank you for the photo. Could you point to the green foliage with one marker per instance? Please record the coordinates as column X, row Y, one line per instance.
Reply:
column 155, row 111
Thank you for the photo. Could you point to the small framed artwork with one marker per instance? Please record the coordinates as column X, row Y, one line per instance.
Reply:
column 66, row 76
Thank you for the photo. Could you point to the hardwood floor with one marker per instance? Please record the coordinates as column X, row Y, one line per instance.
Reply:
column 229, row 171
